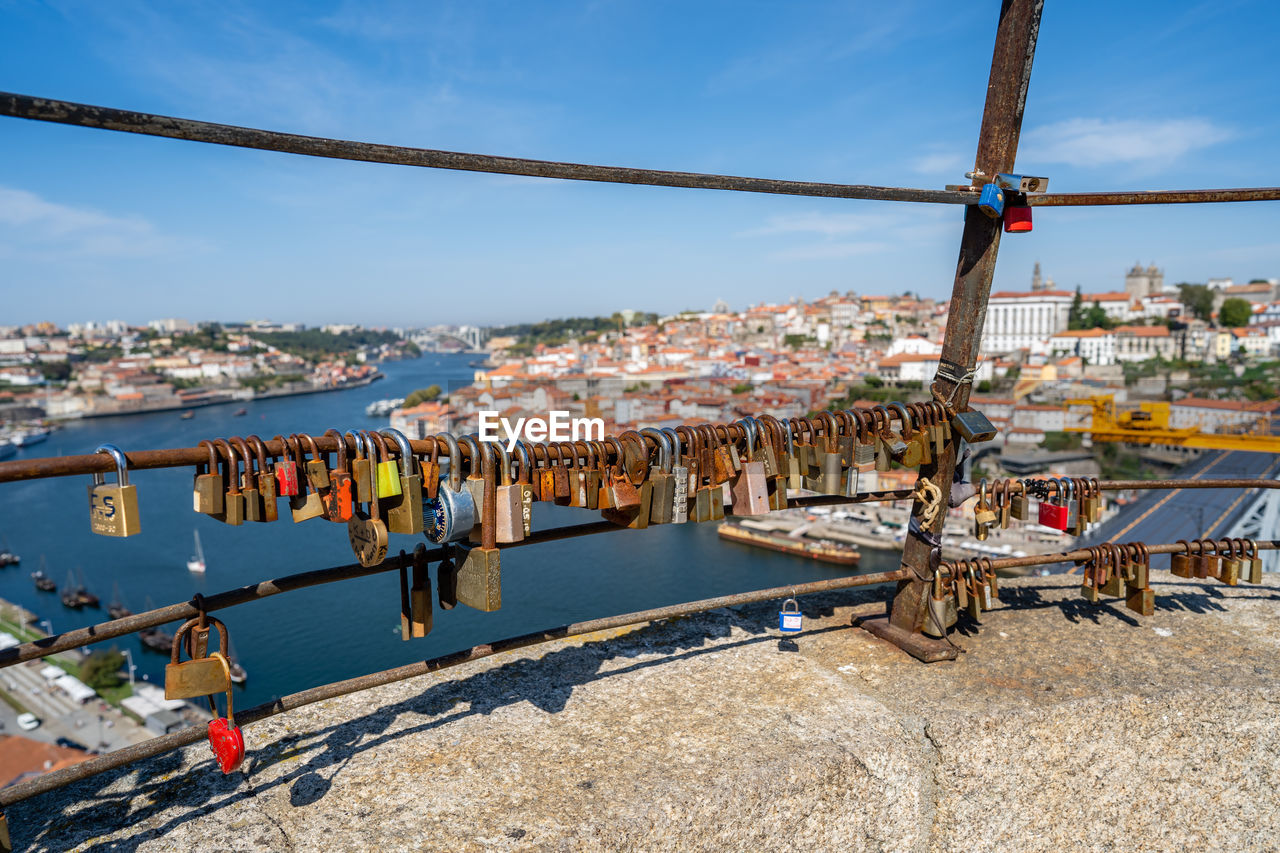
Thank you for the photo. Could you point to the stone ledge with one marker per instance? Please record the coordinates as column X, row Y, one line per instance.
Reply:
column 1065, row 724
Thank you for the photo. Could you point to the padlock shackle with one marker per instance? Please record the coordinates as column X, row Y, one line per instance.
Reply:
column 406, row 449
column 189, row 625
column 122, row 464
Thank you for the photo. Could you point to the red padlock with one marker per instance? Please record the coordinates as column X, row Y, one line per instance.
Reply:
column 286, row 471
column 1017, row 217
column 227, row 742
column 225, row 738
column 1053, row 515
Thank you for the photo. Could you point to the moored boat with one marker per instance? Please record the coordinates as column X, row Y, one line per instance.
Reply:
column 822, row 551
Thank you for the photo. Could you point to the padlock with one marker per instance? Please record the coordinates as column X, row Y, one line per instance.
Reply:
column 1019, row 504
column 419, row 594
column 1021, row 183
column 450, row 516
column 593, row 477
column 113, row 507
column 206, row 489
column 1255, row 563
column 430, row 470
column 750, row 486
column 1073, row 506
column 1114, row 584
column 771, row 431
column 664, row 482
column 204, row 674
column 632, row 501
column 361, row 469
column 728, row 450
column 509, row 516
column 1053, row 512
column 447, row 579
column 316, row 470
column 1139, row 597
column 525, row 488
column 233, row 499
column 680, row 480
column 387, row 473
column 983, row 516
column 367, row 533
column 912, row 454
column 286, row 470
column 249, row 482
column 266, row 481
column 226, row 741
column 1181, row 565
column 935, row 621
column 790, row 619
column 973, row 426
column 795, row 473
column 1017, row 214
column 474, row 482
column 1089, row 586
column 480, row 575
column 339, row 496
column 306, row 502
column 404, row 510
column 1233, row 563
column 991, row 201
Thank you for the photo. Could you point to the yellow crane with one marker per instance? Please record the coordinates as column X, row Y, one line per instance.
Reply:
column 1148, row 423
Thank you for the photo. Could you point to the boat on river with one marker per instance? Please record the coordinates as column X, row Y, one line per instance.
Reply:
column 44, row 583
column 824, row 551
column 195, row 563
column 117, row 609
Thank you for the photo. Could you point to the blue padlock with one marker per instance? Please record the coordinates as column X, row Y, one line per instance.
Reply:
column 789, row 618
column 991, row 202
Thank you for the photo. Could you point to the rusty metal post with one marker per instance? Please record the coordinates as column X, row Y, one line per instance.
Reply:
column 997, row 146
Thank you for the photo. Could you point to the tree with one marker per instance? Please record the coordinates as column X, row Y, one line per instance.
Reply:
column 101, row 669
column 1198, row 298
column 1097, row 318
column 422, row 395
column 1235, row 312
column 1075, row 317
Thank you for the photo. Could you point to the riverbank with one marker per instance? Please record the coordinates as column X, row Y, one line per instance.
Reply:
column 235, row 396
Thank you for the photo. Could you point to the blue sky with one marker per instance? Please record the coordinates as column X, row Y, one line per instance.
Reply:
column 94, row 224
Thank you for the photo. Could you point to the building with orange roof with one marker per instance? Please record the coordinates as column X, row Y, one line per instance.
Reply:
column 22, row 758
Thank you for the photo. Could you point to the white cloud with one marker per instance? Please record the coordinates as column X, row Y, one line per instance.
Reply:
column 826, row 224
column 829, row 251
column 951, row 162
column 33, row 226
column 1100, row 142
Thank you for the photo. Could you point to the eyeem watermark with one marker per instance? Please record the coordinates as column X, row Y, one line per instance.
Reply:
column 558, row 426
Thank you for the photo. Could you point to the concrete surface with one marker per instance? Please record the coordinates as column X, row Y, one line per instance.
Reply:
column 1065, row 725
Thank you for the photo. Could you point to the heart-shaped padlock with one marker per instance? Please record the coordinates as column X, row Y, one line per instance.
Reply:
column 227, row 742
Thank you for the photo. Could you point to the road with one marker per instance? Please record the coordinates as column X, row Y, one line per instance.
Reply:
column 1159, row 516
column 96, row 725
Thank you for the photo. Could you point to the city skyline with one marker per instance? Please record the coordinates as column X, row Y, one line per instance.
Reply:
column 93, row 220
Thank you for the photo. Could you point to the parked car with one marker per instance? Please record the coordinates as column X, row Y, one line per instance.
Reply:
column 70, row 744
column 28, row 721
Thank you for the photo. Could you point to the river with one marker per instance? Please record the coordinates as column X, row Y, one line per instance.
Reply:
column 313, row 636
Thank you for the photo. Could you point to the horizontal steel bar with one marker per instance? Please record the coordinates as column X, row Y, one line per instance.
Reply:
column 185, row 737
column 85, row 115
column 128, row 121
column 1155, row 197
column 1083, row 554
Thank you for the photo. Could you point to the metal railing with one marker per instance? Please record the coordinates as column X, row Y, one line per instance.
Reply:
column 1014, row 50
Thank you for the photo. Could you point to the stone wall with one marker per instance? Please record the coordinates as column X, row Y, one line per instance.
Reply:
column 1065, row 725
